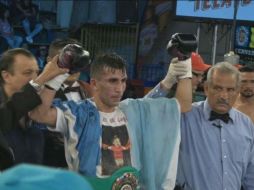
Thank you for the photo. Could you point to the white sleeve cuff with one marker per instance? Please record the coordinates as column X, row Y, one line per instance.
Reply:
column 61, row 123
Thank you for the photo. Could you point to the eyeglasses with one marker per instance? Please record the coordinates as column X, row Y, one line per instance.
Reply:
column 199, row 75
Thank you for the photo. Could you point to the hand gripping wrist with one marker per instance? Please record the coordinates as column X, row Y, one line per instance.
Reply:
column 188, row 67
column 169, row 81
column 56, row 82
column 170, row 78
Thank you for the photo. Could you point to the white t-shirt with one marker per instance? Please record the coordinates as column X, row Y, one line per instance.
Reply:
column 115, row 143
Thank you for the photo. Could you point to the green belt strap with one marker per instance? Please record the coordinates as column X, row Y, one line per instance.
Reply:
column 124, row 178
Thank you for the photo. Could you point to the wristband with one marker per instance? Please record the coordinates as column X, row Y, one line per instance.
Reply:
column 36, row 86
column 48, row 87
column 56, row 82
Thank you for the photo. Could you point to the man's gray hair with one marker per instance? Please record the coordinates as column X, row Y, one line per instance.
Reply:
column 225, row 68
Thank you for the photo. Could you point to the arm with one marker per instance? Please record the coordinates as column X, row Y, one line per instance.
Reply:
column 249, row 177
column 184, row 94
column 18, row 106
column 45, row 113
column 178, row 71
column 249, row 174
column 175, row 70
column 184, row 87
column 162, row 89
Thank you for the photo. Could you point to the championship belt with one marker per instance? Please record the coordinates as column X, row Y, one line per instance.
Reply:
column 125, row 178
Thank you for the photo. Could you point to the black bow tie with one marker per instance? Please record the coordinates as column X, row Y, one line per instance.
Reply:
column 224, row 117
column 71, row 89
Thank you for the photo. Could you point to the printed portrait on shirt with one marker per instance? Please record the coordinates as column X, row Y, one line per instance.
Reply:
column 115, row 148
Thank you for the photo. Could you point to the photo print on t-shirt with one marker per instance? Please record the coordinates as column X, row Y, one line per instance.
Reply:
column 115, row 148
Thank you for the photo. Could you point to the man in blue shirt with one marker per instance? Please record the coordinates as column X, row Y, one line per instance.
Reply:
column 217, row 141
column 217, row 148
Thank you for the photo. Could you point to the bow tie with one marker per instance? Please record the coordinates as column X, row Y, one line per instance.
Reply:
column 71, row 89
column 224, row 117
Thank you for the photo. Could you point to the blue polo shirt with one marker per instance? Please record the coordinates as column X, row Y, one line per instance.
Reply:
column 213, row 157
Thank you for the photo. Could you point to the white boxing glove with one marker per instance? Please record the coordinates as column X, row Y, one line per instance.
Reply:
column 187, row 64
column 56, row 82
column 176, row 70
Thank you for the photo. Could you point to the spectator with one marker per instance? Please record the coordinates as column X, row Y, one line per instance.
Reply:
column 81, row 89
column 20, row 142
column 6, row 29
column 198, row 70
column 41, row 57
column 245, row 100
column 29, row 18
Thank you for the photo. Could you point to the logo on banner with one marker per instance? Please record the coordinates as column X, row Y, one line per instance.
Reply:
column 242, row 36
